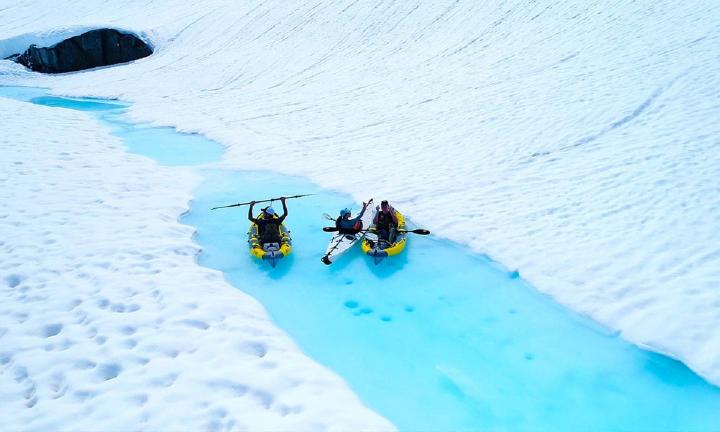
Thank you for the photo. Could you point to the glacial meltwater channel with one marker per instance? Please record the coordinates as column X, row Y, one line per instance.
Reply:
column 435, row 339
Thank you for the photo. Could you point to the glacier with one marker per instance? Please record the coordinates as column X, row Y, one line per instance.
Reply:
column 576, row 142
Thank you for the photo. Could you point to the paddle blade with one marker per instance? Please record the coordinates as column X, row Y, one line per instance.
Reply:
column 420, row 231
column 330, row 229
column 298, row 196
column 230, row 206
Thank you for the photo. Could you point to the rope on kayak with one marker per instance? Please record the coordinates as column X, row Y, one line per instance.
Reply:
column 335, row 246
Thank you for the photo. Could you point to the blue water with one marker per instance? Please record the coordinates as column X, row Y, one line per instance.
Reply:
column 163, row 144
column 436, row 338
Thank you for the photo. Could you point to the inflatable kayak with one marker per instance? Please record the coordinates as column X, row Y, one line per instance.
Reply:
column 378, row 248
column 341, row 243
column 270, row 252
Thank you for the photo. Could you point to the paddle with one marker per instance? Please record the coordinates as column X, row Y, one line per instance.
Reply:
column 415, row 231
column 330, row 218
column 420, row 231
column 267, row 200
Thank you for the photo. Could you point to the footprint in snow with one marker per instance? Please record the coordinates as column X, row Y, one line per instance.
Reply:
column 139, row 399
column 84, row 364
column 130, row 343
column 109, row 371
column 257, row 349
column 58, row 385
column 83, row 395
column 52, row 330
column 198, row 324
column 127, row 330
column 20, row 373
column 232, row 387
column 265, row 398
column 13, row 280
column 165, row 380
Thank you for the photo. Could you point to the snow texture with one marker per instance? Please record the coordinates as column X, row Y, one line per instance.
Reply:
column 106, row 320
column 574, row 141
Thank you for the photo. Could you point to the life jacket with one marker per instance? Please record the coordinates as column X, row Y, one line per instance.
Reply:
column 385, row 220
column 343, row 228
column 268, row 229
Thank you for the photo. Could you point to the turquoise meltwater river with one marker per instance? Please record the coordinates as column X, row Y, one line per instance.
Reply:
column 435, row 339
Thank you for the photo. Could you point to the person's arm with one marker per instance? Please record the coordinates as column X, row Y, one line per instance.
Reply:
column 365, row 206
column 285, row 210
column 377, row 215
column 393, row 216
column 358, row 218
column 250, row 212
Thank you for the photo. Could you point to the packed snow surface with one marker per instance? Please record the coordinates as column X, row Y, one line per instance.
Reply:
column 106, row 320
column 575, row 141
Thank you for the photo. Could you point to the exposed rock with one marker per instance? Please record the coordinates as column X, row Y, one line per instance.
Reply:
column 92, row 49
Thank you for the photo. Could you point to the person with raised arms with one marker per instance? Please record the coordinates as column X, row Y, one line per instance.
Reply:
column 386, row 221
column 268, row 222
column 346, row 225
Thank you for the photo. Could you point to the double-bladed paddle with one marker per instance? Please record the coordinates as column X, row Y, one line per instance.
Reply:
column 267, row 200
column 415, row 231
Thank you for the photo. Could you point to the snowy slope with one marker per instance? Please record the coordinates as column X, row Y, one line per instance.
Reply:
column 107, row 322
column 576, row 141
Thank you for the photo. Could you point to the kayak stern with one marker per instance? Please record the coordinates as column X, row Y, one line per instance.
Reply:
column 377, row 254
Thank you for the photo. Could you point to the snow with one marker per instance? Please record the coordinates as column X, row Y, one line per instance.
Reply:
column 106, row 319
column 573, row 141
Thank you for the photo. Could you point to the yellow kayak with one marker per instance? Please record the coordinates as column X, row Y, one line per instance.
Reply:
column 378, row 248
column 271, row 252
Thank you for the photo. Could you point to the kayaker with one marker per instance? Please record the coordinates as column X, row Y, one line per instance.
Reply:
column 268, row 222
column 386, row 221
column 345, row 225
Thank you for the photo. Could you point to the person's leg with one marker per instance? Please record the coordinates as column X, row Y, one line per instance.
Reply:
column 383, row 233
